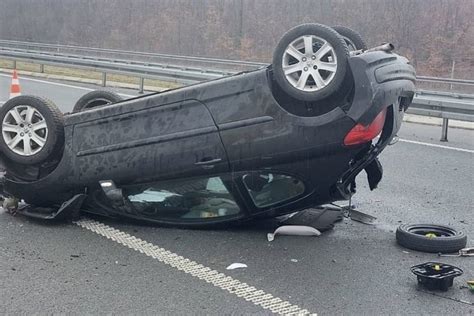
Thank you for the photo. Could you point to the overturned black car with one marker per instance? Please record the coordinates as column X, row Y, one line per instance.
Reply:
column 262, row 143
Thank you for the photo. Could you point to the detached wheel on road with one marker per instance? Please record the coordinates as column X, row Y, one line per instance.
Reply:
column 430, row 238
column 32, row 130
column 95, row 99
column 310, row 62
column 352, row 38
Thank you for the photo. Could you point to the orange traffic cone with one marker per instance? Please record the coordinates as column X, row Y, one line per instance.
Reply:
column 15, row 88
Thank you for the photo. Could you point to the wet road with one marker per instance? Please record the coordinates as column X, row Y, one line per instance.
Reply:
column 353, row 269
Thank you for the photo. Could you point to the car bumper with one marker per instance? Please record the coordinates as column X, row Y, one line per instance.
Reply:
column 368, row 161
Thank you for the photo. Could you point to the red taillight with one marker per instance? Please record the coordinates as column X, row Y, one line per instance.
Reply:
column 360, row 134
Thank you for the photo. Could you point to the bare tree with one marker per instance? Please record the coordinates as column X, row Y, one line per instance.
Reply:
column 433, row 36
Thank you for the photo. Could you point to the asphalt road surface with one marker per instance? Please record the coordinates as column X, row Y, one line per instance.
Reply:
column 353, row 269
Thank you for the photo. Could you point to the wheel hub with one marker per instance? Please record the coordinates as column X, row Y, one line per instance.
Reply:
column 309, row 63
column 24, row 130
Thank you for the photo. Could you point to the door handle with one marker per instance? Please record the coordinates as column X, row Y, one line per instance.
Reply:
column 207, row 161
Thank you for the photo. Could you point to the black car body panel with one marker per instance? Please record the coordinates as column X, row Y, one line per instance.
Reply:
column 230, row 126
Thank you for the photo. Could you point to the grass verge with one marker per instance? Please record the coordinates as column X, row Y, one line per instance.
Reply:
column 152, row 84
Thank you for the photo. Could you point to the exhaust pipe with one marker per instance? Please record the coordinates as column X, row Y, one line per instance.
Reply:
column 386, row 47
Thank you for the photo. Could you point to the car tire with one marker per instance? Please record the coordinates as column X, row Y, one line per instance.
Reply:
column 352, row 38
column 301, row 75
column 18, row 117
column 430, row 238
column 95, row 99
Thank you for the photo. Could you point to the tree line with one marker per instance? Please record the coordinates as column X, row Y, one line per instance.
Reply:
column 434, row 34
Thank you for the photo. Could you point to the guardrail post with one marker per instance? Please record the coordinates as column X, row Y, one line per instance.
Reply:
column 42, row 68
column 142, row 84
column 104, row 79
column 444, row 131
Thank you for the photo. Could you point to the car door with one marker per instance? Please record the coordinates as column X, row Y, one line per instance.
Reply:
column 140, row 140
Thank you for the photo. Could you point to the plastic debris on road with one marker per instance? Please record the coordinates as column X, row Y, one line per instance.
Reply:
column 436, row 275
column 470, row 285
column 294, row 230
column 236, row 266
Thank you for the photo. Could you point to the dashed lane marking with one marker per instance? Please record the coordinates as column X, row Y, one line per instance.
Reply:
column 436, row 145
column 220, row 280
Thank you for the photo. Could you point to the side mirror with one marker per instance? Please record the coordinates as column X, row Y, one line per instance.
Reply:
column 112, row 193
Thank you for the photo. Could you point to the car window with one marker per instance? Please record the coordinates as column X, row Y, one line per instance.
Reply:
column 205, row 198
column 268, row 189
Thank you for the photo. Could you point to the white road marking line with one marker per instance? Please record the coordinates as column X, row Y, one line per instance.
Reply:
column 64, row 85
column 436, row 145
column 220, row 280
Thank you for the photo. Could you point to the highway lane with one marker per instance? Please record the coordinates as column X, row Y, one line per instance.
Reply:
column 63, row 94
column 354, row 269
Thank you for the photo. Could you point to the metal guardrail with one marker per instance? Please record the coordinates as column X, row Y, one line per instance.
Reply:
column 133, row 55
column 446, row 80
column 205, row 62
column 182, row 74
column 445, row 105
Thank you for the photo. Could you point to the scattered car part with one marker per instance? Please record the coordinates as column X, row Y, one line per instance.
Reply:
column 470, row 285
column 362, row 217
column 310, row 62
column 10, row 203
column 349, row 211
column 32, row 130
column 96, row 99
column 236, row 266
column 465, row 252
column 430, row 238
column 374, row 172
column 68, row 209
column 321, row 218
column 294, row 230
column 353, row 39
column 435, row 275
